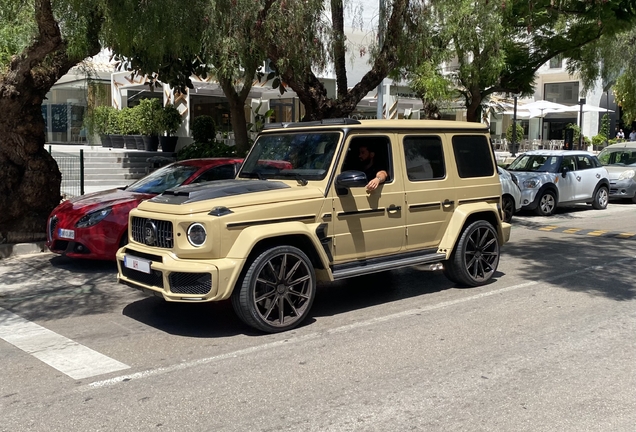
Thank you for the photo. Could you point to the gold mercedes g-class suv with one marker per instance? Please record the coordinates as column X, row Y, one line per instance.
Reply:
column 302, row 209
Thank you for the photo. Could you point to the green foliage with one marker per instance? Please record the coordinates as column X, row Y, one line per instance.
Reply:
column 605, row 126
column 97, row 120
column 170, row 119
column 599, row 140
column 199, row 150
column 149, row 116
column 625, row 92
column 519, row 136
column 128, row 120
column 203, row 129
column 17, row 28
column 259, row 119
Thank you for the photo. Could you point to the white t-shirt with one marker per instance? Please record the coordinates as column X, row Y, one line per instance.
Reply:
column 632, row 136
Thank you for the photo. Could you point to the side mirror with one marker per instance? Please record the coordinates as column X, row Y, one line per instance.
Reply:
column 564, row 171
column 349, row 179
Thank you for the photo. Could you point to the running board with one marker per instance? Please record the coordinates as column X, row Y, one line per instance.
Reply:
column 359, row 268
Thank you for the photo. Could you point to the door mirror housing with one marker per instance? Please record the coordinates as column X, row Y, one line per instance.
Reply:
column 349, row 179
column 564, row 171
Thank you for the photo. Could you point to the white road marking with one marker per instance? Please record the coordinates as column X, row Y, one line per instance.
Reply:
column 359, row 324
column 57, row 351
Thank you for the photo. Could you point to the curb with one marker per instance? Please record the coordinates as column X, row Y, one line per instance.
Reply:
column 14, row 249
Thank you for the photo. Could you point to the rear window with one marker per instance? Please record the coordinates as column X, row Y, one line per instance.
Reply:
column 473, row 156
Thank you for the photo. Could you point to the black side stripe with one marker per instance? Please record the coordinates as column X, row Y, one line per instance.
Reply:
column 425, row 206
column 361, row 212
column 309, row 218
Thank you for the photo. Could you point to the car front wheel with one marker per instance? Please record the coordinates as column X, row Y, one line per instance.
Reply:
column 475, row 257
column 276, row 292
column 547, row 204
column 601, row 198
column 508, row 207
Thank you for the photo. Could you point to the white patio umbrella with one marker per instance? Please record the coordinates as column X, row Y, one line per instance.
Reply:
column 586, row 108
column 541, row 109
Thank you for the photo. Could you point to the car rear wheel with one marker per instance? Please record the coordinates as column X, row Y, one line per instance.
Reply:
column 508, row 207
column 601, row 198
column 475, row 257
column 276, row 292
column 547, row 204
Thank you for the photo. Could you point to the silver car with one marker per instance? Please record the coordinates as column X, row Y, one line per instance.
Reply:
column 510, row 194
column 551, row 178
column 620, row 161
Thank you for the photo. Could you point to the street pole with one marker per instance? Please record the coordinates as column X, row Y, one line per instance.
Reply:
column 381, row 24
column 514, row 129
column 581, row 103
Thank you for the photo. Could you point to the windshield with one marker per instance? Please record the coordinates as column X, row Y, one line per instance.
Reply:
column 538, row 163
column 291, row 155
column 163, row 179
column 618, row 156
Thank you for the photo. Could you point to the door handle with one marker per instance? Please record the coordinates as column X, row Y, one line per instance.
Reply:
column 448, row 203
column 394, row 209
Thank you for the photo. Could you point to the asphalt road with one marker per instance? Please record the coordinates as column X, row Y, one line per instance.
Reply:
column 549, row 345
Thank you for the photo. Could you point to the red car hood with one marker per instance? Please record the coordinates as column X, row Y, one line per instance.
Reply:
column 97, row 200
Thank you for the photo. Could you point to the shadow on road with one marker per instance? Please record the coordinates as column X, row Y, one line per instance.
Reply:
column 594, row 265
column 209, row 320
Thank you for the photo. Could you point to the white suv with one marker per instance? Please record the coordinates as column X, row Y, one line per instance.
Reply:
column 550, row 178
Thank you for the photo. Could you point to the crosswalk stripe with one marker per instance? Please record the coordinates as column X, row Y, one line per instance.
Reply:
column 57, row 351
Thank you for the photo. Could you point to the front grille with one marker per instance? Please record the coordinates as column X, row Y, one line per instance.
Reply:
column 163, row 236
column 52, row 225
column 155, row 278
column 190, row 283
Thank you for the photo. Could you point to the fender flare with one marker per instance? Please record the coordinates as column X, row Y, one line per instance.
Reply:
column 463, row 214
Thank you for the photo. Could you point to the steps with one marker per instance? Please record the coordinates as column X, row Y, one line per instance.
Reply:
column 117, row 168
column 105, row 168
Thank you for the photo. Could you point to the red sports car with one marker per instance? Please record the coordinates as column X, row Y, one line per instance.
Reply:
column 95, row 225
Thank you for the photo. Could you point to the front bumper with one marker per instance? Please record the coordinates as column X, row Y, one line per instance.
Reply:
column 176, row 279
column 622, row 188
column 529, row 199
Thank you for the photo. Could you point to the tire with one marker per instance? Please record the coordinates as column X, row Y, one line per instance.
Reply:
column 276, row 291
column 508, row 207
column 475, row 257
column 547, row 204
column 601, row 198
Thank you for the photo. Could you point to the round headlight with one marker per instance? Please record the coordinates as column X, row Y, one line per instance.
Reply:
column 196, row 234
column 532, row 183
column 626, row 175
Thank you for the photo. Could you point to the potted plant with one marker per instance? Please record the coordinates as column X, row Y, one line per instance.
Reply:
column 113, row 129
column 149, row 122
column 97, row 123
column 170, row 122
column 129, row 126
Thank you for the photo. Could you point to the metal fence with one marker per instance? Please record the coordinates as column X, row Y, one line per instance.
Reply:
column 72, row 168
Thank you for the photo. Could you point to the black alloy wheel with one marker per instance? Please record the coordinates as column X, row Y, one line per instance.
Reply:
column 475, row 257
column 276, row 292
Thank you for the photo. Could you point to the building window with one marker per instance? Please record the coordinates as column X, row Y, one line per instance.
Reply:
column 563, row 93
column 556, row 62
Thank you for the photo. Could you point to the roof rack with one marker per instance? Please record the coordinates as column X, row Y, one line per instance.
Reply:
column 324, row 122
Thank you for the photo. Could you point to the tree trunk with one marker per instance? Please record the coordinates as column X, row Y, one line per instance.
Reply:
column 312, row 93
column 236, row 101
column 29, row 176
column 473, row 109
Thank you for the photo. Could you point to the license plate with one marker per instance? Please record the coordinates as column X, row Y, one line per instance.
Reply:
column 66, row 233
column 138, row 264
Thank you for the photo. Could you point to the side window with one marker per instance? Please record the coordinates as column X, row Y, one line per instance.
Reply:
column 569, row 163
column 369, row 154
column 221, row 172
column 424, row 158
column 583, row 162
column 473, row 155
